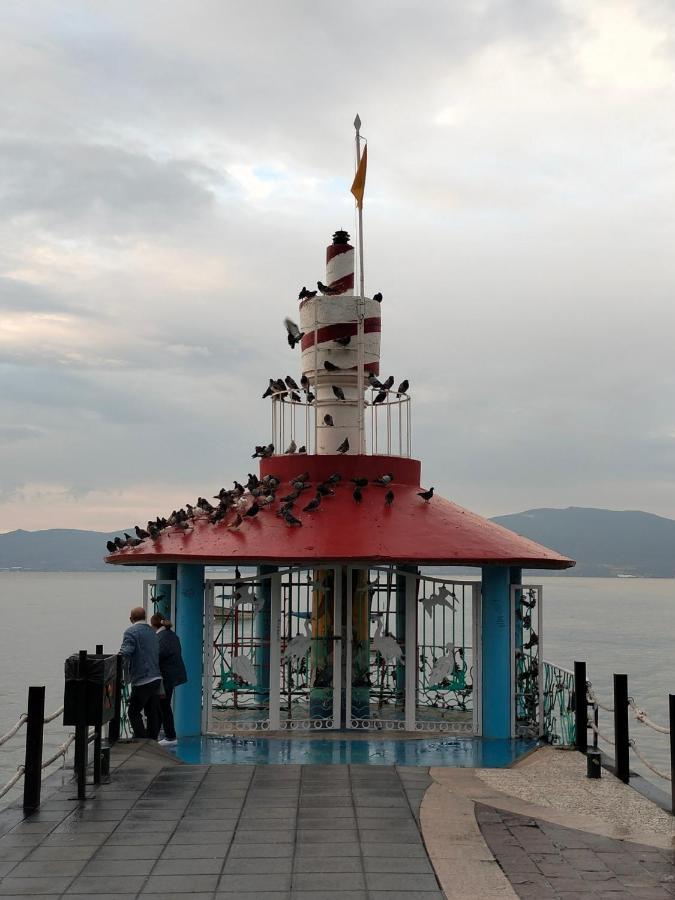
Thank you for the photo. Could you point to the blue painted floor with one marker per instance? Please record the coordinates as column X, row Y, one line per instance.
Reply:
column 448, row 751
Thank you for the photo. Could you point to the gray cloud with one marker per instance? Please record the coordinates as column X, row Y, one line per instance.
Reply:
column 169, row 178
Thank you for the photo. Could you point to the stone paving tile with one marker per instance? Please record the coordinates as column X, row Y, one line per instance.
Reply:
column 550, row 861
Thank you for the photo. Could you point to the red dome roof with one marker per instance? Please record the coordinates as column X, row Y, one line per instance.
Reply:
column 410, row 531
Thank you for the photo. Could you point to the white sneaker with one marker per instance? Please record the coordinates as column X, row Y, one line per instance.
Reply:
column 165, row 742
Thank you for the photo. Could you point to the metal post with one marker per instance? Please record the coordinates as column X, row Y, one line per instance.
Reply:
column 580, row 707
column 33, row 759
column 671, row 722
column 97, row 736
column 621, row 727
column 114, row 724
column 81, row 737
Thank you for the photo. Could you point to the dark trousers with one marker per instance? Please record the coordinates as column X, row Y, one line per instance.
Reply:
column 145, row 698
column 167, row 714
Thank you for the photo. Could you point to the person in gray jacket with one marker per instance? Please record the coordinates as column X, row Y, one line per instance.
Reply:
column 172, row 667
column 141, row 655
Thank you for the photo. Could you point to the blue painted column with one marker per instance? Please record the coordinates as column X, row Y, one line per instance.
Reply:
column 496, row 674
column 262, row 629
column 190, row 630
column 165, row 572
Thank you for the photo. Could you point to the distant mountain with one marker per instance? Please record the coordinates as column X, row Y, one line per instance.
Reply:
column 55, row 550
column 604, row 542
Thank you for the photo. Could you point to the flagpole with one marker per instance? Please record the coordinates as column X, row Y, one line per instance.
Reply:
column 360, row 354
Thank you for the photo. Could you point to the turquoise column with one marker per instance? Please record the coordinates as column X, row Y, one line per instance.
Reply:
column 262, row 630
column 496, row 655
column 165, row 572
column 190, row 630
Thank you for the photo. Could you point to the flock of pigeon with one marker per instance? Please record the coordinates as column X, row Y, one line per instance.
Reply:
column 244, row 502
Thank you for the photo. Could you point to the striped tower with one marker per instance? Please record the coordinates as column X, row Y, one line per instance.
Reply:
column 331, row 317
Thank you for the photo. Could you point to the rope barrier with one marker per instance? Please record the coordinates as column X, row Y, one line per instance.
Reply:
column 602, row 736
column 13, row 730
column 12, row 781
column 54, row 715
column 634, row 746
column 60, row 751
column 644, row 719
column 591, row 698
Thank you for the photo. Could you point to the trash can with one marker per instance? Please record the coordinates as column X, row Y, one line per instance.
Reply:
column 101, row 684
column 593, row 764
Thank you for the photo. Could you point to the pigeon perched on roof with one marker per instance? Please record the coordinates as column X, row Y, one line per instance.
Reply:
column 359, row 482
column 235, row 524
column 292, row 447
column 426, row 495
column 377, row 297
column 373, row 381
column 357, row 495
column 339, row 393
column 334, row 478
column 380, row 398
column 403, row 387
column 293, row 333
column 325, row 289
column 313, row 504
column 389, row 498
column 291, row 383
column 384, row 479
column 111, row 547
column 388, row 384
column 140, row 532
column 328, row 420
column 344, row 446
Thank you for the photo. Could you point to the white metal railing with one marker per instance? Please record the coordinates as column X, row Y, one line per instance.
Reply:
column 388, row 422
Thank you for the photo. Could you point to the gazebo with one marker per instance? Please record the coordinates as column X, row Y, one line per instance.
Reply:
column 346, row 614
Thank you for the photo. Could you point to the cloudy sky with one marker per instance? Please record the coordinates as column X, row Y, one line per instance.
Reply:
column 170, row 173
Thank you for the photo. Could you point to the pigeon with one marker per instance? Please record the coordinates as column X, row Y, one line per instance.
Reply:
column 344, row 341
column 334, row 478
column 279, row 385
column 377, row 297
column 384, row 479
column 324, row 490
column 304, row 382
column 270, row 390
column 238, row 488
column 253, row 482
column 339, row 393
column 302, row 449
column 373, row 381
column 426, row 495
column 389, row 498
column 252, row 511
column 388, row 384
column 290, row 498
column 111, row 547
column 310, row 294
column 119, row 543
column 290, row 519
column 290, row 382
column 380, row 398
column 295, row 397
column 235, row 524
column 310, row 397
column 357, row 495
column 328, row 420
column 360, row 482
column 328, row 291
column 331, row 367
column 313, row 504
column 303, row 293
column 263, row 452
column 303, row 477
column 140, row 533
column 344, row 446
column 293, row 333
column 292, row 447
column 403, row 387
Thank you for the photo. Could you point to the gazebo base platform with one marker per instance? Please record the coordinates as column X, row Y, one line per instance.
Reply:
column 340, row 748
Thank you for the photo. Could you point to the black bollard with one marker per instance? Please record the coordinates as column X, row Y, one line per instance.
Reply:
column 593, row 763
column 671, row 716
column 580, row 707
column 621, row 727
column 81, row 736
column 35, row 726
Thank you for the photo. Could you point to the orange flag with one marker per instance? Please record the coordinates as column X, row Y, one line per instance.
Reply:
column 359, row 185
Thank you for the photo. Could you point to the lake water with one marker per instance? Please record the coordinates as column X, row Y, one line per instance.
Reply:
column 616, row 625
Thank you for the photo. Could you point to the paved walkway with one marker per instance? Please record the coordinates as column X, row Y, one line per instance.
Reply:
column 225, row 832
column 337, row 832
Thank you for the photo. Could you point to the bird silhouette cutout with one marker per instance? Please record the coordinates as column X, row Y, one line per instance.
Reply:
column 243, row 667
column 246, row 594
column 443, row 667
column 298, row 646
column 442, row 597
column 385, row 644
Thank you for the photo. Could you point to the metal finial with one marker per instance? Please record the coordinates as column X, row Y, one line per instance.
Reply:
column 357, row 122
